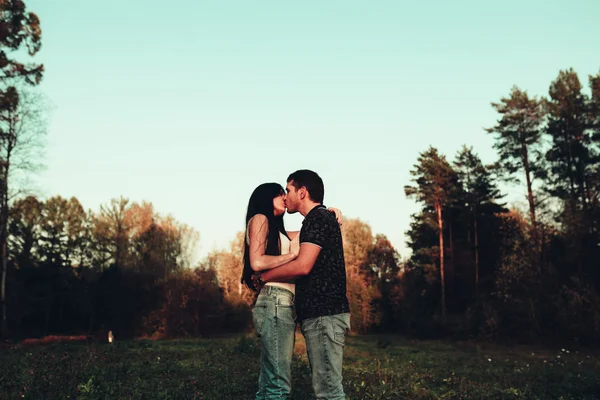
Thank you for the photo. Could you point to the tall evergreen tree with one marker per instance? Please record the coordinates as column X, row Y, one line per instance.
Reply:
column 518, row 143
column 435, row 185
column 480, row 194
column 570, row 155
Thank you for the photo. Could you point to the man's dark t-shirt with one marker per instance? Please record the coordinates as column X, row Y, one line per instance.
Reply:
column 323, row 291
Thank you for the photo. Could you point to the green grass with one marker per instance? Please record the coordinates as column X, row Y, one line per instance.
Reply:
column 375, row 367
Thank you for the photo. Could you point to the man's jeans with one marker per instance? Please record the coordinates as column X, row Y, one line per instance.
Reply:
column 274, row 322
column 325, row 347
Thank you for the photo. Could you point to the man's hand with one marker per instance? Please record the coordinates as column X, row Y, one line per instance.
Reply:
column 258, row 282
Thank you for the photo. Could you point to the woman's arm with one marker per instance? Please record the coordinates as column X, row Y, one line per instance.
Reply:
column 338, row 214
column 258, row 229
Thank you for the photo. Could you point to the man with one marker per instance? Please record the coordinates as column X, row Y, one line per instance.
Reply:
column 322, row 307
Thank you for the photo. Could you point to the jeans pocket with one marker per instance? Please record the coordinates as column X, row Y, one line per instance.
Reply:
column 339, row 325
column 259, row 316
column 339, row 338
column 310, row 325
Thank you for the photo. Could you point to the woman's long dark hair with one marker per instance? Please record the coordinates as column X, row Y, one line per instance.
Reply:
column 261, row 202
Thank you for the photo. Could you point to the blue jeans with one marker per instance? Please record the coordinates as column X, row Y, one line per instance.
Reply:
column 325, row 337
column 274, row 322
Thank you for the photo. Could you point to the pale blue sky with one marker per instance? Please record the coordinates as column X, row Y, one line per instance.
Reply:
column 191, row 104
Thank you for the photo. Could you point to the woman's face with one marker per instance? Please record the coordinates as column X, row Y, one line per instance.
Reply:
column 279, row 205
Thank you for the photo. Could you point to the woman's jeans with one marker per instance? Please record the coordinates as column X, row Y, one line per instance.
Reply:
column 274, row 322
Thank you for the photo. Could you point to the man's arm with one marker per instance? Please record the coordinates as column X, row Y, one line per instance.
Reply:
column 301, row 266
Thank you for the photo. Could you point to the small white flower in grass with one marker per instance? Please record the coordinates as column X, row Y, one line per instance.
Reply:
column 563, row 350
column 489, row 359
column 557, row 356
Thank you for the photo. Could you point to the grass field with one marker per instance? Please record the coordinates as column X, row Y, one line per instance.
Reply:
column 375, row 367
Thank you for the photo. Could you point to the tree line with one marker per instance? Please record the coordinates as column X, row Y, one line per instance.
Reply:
column 491, row 269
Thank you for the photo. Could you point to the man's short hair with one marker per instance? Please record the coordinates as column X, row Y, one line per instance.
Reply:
column 311, row 180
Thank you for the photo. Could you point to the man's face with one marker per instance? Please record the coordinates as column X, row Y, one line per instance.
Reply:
column 292, row 199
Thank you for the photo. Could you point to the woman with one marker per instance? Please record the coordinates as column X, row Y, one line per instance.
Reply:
column 268, row 246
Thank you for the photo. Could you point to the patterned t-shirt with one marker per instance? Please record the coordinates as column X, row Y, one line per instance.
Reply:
column 323, row 291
